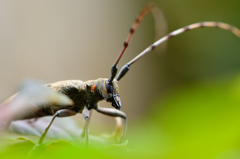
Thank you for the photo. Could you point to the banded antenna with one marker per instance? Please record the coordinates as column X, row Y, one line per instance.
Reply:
column 160, row 25
column 220, row 25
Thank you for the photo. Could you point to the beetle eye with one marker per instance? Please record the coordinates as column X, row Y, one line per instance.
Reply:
column 109, row 88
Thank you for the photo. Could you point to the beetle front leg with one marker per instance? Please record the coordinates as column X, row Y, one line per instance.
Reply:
column 59, row 113
column 115, row 113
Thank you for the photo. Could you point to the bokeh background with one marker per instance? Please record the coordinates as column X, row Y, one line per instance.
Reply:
column 182, row 102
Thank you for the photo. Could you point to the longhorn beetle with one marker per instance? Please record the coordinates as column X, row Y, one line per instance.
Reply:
column 86, row 95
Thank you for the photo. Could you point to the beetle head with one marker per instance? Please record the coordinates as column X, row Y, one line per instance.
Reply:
column 110, row 93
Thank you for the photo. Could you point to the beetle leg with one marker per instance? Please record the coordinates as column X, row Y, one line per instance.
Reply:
column 90, row 115
column 59, row 113
column 115, row 113
column 86, row 114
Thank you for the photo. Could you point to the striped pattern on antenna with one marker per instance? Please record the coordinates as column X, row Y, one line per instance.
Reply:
column 160, row 25
column 156, row 11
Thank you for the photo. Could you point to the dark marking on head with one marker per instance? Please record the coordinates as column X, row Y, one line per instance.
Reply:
column 202, row 24
column 217, row 24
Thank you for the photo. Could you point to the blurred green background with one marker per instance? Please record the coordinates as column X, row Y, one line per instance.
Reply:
column 181, row 103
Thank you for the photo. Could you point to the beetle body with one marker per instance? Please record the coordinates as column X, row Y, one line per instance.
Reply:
column 83, row 94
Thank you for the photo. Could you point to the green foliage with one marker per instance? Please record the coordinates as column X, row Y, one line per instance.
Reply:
column 197, row 120
column 22, row 146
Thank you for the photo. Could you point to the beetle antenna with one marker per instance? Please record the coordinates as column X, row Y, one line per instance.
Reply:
column 220, row 25
column 156, row 14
